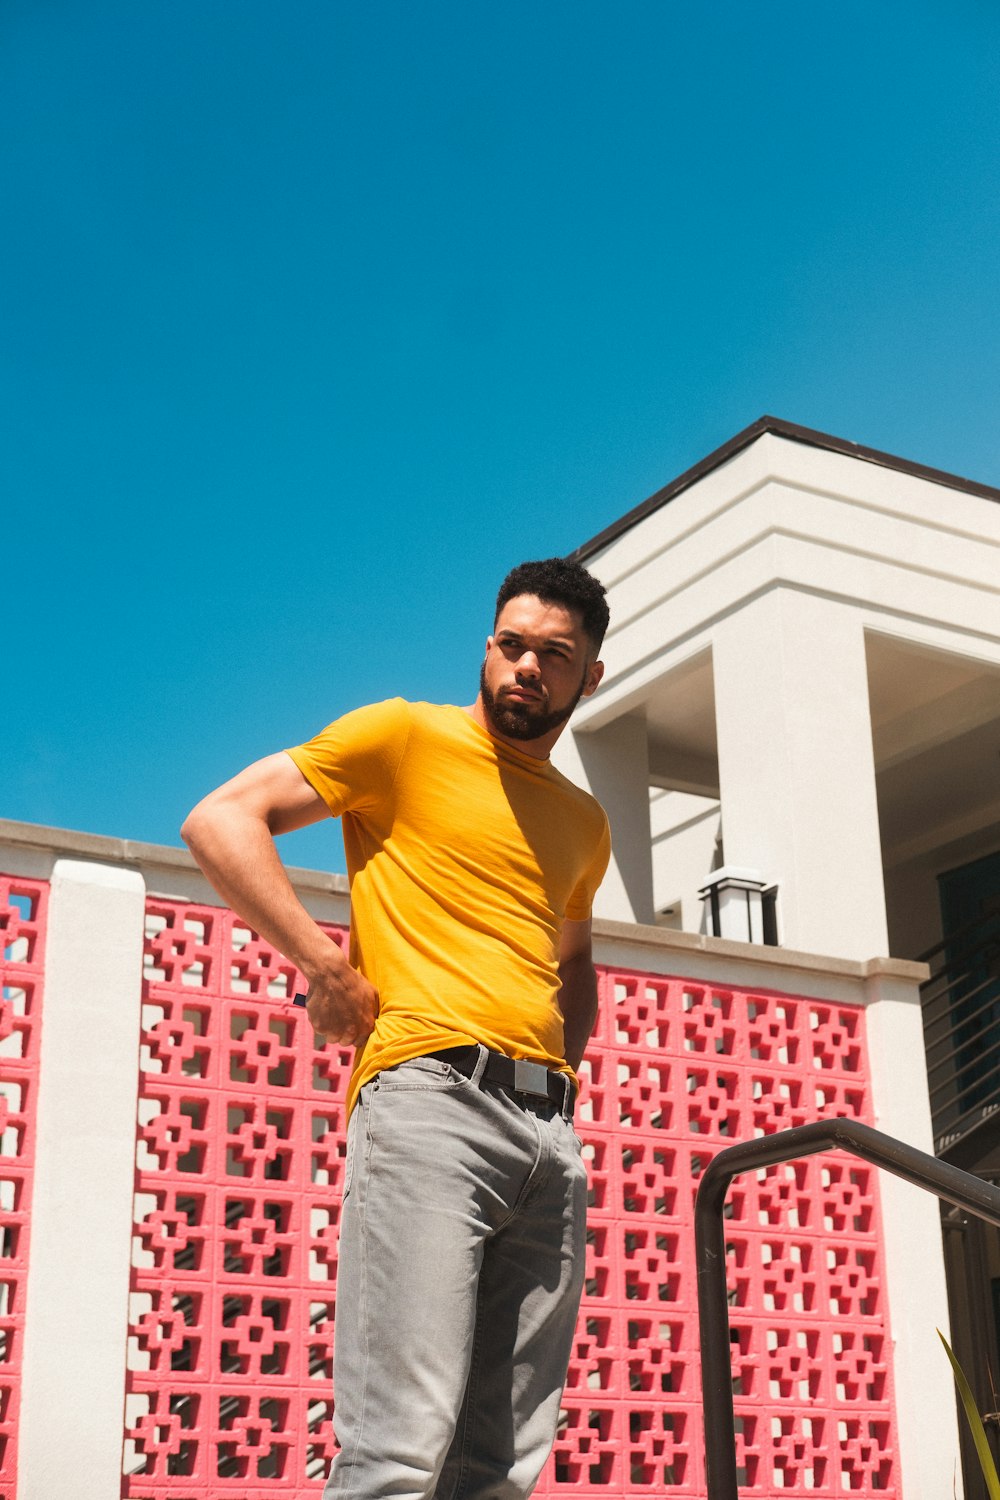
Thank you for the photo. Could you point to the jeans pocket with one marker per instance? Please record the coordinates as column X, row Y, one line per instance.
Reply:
column 352, row 1146
column 419, row 1073
column 357, row 1134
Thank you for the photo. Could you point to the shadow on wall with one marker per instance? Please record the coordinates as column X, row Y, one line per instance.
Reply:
column 616, row 762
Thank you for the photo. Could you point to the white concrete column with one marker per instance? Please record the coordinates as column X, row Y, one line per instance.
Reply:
column 613, row 764
column 914, row 1282
column 76, row 1325
column 796, row 768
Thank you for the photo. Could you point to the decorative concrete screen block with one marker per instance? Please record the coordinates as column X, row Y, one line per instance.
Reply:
column 675, row 1072
column 22, row 943
column 241, row 1142
column 235, row 1245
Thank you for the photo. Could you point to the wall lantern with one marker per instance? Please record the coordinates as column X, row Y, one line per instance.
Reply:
column 740, row 905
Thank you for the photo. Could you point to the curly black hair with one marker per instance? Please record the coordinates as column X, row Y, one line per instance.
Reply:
column 554, row 580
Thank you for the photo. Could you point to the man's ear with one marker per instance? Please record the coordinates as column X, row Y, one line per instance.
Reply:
column 593, row 679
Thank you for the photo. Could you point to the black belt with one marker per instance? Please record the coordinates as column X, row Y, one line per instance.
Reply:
column 514, row 1073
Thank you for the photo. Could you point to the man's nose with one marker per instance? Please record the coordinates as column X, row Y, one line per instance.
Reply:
column 527, row 665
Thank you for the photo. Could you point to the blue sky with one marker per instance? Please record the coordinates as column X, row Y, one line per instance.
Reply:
column 316, row 317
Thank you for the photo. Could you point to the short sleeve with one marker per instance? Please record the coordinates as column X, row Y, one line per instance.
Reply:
column 352, row 763
column 579, row 905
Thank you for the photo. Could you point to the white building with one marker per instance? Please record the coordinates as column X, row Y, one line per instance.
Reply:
column 803, row 686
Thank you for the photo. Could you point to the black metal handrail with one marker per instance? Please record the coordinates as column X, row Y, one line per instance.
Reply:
column 924, row 1171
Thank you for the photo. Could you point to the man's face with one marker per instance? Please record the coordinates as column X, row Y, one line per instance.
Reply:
column 539, row 663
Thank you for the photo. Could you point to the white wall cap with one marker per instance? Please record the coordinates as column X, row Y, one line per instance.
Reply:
column 111, row 877
column 34, row 850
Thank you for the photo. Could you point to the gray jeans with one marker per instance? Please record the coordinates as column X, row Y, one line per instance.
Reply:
column 462, row 1248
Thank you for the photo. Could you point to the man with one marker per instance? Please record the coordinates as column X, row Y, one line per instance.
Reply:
column 470, row 995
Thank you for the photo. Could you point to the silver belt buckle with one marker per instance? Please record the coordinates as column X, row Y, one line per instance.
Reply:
column 531, row 1078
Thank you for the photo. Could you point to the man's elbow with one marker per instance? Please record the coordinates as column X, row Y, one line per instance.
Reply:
column 189, row 828
column 198, row 824
column 229, row 812
column 577, row 965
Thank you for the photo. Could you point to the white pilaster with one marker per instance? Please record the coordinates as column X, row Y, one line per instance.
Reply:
column 613, row 764
column 796, row 769
column 70, row 1440
column 926, row 1415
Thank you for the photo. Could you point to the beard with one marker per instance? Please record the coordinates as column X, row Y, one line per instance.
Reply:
column 524, row 721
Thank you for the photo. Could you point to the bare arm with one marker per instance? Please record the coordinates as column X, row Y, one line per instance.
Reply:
column 231, row 834
column 578, row 994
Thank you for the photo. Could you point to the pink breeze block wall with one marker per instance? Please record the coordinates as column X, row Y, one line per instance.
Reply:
column 240, row 1156
column 678, row 1070
column 23, row 906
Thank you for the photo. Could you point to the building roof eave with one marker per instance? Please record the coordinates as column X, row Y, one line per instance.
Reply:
column 793, row 433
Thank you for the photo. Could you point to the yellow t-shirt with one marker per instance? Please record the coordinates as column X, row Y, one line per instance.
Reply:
column 465, row 856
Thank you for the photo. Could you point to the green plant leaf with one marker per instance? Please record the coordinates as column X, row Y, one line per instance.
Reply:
column 975, row 1421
